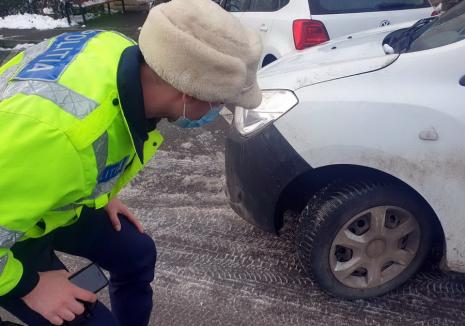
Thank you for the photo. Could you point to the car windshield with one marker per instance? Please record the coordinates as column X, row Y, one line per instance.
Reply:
column 447, row 29
column 430, row 32
column 325, row 7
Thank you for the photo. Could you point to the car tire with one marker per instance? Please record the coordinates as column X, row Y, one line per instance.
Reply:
column 347, row 238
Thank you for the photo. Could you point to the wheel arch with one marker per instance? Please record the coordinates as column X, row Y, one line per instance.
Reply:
column 292, row 198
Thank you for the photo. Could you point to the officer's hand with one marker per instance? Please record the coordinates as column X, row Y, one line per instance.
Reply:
column 55, row 297
column 115, row 207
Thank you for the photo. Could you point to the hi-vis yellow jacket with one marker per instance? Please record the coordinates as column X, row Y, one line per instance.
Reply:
column 64, row 142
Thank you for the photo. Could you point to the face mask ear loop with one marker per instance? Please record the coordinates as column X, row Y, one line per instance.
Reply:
column 184, row 108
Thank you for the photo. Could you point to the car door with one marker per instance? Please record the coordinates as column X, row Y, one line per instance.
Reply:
column 260, row 15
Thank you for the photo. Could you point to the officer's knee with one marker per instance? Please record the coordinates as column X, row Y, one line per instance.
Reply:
column 150, row 250
column 143, row 254
column 137, row 263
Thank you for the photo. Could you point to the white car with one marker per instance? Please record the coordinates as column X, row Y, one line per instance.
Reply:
column 366, row 136
column 287, row 25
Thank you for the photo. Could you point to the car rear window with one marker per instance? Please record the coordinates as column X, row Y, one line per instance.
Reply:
column 325, row 7
column 254, row 5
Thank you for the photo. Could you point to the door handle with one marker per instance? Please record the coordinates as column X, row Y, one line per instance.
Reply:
column 462, row 81
column 264, row 28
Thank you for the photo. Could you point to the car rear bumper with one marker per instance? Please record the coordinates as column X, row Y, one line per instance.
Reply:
column 258, row 168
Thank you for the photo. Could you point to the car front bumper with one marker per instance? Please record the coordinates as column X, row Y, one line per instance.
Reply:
column 258, row 168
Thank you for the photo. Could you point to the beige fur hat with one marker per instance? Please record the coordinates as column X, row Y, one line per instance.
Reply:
column 203, row 51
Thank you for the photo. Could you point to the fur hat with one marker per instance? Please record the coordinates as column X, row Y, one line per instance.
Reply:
column 203, row 51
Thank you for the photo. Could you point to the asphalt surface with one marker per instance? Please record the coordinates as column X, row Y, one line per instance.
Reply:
column 215, row 269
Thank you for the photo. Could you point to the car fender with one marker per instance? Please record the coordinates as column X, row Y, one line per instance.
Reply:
column 339, row 123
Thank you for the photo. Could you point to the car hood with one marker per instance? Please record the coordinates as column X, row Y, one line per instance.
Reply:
column 342, row 57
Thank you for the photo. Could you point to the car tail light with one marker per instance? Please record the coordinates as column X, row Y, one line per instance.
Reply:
column 435, row 13
column 308, row 32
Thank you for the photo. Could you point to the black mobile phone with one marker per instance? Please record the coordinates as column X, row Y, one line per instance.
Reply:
column 90, row 278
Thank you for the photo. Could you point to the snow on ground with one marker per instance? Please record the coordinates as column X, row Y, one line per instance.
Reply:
column 29, row 21
column 18, row 47
column 47, row 11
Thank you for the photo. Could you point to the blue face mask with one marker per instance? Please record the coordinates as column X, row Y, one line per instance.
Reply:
column 207, row 118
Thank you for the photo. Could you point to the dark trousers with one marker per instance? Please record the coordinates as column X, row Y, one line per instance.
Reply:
column 128, row 255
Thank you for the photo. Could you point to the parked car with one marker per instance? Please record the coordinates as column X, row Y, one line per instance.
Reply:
column 287, row 25
column 365, row 135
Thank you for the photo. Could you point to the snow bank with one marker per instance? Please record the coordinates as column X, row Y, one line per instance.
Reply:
column 29, row 21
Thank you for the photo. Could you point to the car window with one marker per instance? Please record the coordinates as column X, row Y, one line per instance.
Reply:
column 237, row 5
column 264, row 5
column 448, row 28
column 324, row 7
column 283, row 3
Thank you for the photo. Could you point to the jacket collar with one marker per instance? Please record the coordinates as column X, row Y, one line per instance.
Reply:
column 131, row 97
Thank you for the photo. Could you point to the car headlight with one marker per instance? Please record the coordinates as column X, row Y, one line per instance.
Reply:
column 274, row 104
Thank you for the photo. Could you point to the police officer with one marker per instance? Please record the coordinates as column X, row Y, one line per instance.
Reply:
column 78, row 118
